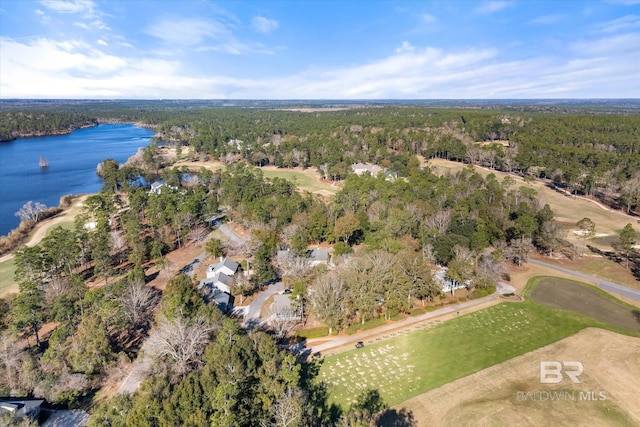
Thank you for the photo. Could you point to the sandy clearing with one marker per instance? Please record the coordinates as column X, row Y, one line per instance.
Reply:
column 490, row 397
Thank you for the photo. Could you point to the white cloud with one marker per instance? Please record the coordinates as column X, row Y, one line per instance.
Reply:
column 406, row 47
column 492, row 6
column 39, row 12
column 70, row 6
column 426, row 18
column 547, row 19
column 102, row 42
column 202, row 35
column 604, row 67
column 187, row 32
column 263, row 25
column 624, row 23
column 85, row 8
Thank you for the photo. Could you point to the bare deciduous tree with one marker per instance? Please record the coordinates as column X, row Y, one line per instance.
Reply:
column 440, row 221
column 327, row 297
column 289, row 410
column 31, row 211
column 118, row 244
column 137, row 300
column 292, row 267
column 198, row 234
column 180, row 339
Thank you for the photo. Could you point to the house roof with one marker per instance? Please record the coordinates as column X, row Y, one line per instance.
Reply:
column 67, row 418
column 320, row 255
column 365, row 167
column 222, row 298
column 228, row 263
column 28, row 407
column 222, row 278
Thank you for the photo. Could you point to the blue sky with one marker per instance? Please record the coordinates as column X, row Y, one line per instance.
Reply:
column 319, row 49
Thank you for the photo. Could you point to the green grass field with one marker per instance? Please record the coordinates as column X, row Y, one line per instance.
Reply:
column 416, row 361
column 7, row 270
column 302, row 180
column 67, row 225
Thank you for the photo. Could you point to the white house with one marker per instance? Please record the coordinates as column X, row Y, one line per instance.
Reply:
column 362, row 168
column 320, row 256
column 156, row 187
column 447, row 284
column 219, row 279
column 226, row 266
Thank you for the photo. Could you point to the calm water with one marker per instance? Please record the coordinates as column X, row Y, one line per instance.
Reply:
column 72, row 165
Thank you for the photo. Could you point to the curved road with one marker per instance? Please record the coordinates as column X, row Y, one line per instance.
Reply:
column 602, row 283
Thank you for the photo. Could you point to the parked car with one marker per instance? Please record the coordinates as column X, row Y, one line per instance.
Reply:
column 287, row 291
column 359, row 344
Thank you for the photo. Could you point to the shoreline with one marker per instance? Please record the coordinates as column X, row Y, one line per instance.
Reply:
column 99, row 121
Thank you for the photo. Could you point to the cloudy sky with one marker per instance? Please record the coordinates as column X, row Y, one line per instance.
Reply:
column 328, row 49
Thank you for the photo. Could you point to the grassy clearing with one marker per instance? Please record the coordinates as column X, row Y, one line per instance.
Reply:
column 570, row 295
column 7, row 284
column 304, row 180
column 67, row 225
column 415, row 362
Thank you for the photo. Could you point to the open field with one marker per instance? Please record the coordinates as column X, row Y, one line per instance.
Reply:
column 414, row 362
column 569, row 295
column 7, row 270
column 490, row 397
column 567, row 210
column 305, row 179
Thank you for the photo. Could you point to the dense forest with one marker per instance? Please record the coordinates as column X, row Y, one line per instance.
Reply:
column 583, row 148
column 389, row 236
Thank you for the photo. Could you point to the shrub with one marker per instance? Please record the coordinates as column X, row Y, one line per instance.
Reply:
column 479, row 293
column 369, row 324
column 418, row 311
column 462, row 299
column 341, row 248
column 319, row 332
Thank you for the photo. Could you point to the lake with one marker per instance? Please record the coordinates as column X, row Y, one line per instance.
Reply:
column 72, row 165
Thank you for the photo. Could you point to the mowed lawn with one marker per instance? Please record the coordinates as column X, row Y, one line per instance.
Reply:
column 307, row 180
column 416, row 361
column 7, row 271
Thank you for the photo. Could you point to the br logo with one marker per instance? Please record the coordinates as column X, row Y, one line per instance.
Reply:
column 551, row 371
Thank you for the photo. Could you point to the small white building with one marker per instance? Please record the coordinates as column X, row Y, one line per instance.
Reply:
column 219, row 277
column 362, row 168
column 156, row 187
column 320, row 256
column 447, row 284
column 226, row 266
